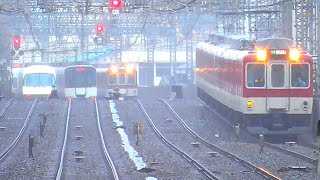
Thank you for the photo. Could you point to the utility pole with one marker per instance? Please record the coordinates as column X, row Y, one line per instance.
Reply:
column 82, row 29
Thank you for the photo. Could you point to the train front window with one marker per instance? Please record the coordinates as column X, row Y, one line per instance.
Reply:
column 131, row 79
column 255, row 75
column 112, row 79
column 277, row 75
column 122, row 78
column 79, row 78
column 39, row 79
column 299, row 75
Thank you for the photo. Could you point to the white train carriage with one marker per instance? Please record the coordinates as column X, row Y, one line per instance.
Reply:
column 80, row 81
column 38, row 81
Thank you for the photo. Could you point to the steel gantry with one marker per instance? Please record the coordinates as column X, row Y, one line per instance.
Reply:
column 68, row 27
column 305, row 26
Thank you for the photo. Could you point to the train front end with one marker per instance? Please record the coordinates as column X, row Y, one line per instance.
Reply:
column 80, row 81
column 38, row 81
column 122, row 80
column 278, row 91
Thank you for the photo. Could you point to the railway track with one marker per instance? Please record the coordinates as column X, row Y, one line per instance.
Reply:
column 61, row 172
column 294, row 154
column 195, row 163
column 9, row 149
column 5, row 107
column 247, row 164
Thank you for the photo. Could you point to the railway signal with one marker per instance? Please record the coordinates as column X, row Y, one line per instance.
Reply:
column 115, row 4
column 99, row 29
column 16, row 42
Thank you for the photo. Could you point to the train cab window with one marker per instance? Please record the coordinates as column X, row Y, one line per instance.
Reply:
column 131, row 80
column 277, row 75
column 39, row 79
column 255, row 75
column 299, row 75
column 122, row 78
column 112, row 79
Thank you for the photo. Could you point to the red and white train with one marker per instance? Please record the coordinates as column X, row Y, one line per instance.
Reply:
column 268, row 90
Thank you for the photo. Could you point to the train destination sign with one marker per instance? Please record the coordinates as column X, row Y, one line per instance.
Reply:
column 278, row 52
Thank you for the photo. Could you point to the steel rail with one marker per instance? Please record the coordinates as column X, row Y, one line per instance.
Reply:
column 23, row 128
column 60, row 169
column 105, row 151
column 201, row 168
column 269, row 145
column 5, row 107
column 247, row 164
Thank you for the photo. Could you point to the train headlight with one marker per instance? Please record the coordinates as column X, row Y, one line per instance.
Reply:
column 249, row 105
column 294, row 55
column 305, row 105
column 262, row 55
column 129, row 69
column 114, row 70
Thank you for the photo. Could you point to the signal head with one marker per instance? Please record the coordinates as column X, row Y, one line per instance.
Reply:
column 115, row 4
column 16, row 42
column 99, row 28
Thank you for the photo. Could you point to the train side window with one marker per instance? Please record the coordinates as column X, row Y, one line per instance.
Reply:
column 112, row 79
column 300, row 75
column 255, row 75
column 277, row 75
column 122, row 78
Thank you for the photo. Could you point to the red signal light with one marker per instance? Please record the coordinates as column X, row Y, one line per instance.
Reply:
column 16, row 42
column 115, row 4
column 99, row 28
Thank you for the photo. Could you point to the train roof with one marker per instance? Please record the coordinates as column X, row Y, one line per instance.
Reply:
column 80, row 65
column 274, row 43
column 222, row 51
column 39, row 69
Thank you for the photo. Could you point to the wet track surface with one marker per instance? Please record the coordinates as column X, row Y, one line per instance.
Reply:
column 162, row 161
column 212, row 128
column 156, row 159
column 83, row 157
column 45, row 152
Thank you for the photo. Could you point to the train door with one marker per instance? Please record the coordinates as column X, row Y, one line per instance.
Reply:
column 277, row 84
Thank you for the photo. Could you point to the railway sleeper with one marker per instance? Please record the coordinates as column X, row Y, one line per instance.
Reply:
column 79, row 158
column 195, row 144
column 78, row 152
column 78, row 137
column 295, row 168
column 78, row 127
column 213, row 154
